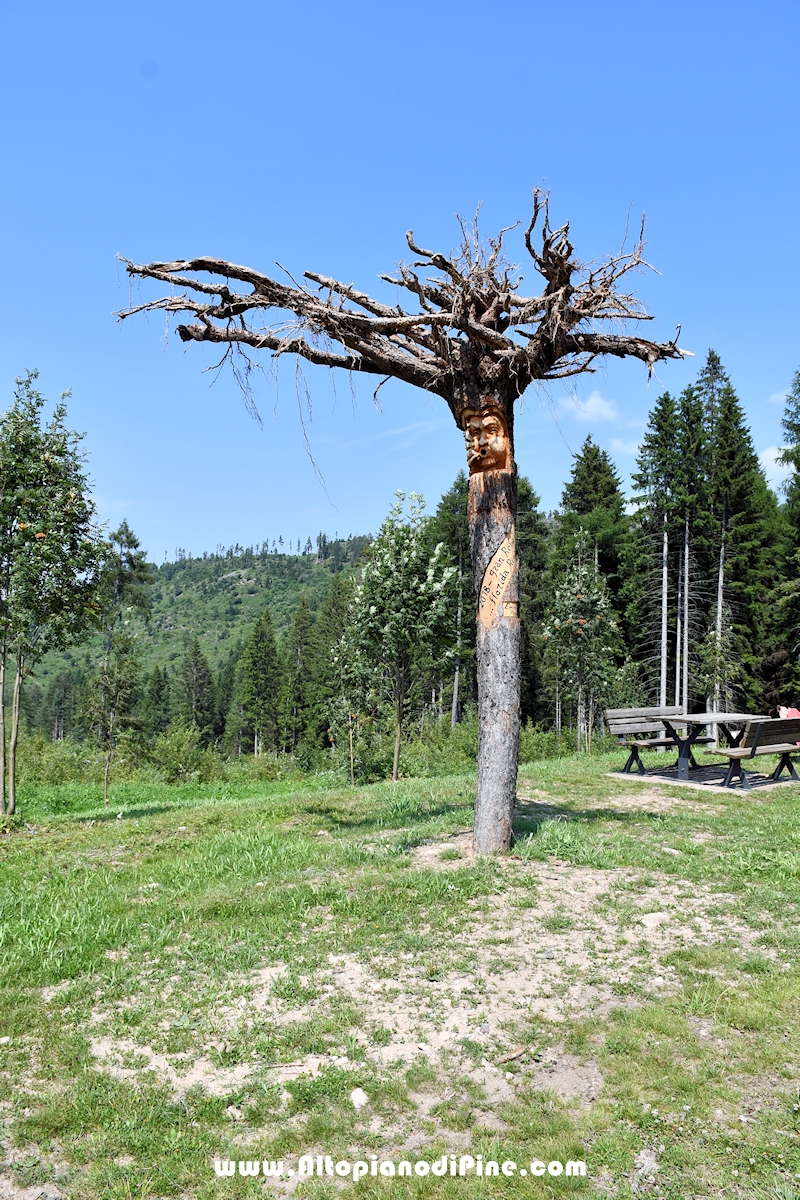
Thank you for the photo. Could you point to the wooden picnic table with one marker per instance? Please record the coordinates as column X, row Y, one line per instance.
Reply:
column 695, row 723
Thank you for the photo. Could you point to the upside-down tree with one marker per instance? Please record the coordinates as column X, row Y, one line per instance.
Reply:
column 472, row 339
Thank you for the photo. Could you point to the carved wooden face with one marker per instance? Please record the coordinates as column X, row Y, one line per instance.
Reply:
column 486, row 435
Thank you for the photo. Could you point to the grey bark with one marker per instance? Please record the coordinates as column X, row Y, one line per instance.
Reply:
column 662, row 693
column 12, row 744
column 2, row 733
column 685, row 698
column 679, row 631
column 456, row 677
column 720, row 597
column 492, row 514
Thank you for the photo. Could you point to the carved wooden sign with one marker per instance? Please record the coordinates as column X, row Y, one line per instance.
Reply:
column 499, row 574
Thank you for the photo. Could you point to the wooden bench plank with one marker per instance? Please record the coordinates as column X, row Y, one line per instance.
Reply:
column 620, row 728
column 762, row 737
column 669, row 710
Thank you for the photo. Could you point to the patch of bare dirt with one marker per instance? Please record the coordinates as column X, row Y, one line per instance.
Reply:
column 645, row 799
column 559, row 942
column 118, row 1058
column 567, row 1076
column 9, row 1190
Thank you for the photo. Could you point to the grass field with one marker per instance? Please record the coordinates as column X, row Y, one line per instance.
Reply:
column 211, row 971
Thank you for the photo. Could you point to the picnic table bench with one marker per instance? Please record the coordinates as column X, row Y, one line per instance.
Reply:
column 763, row 737
column 633, row 727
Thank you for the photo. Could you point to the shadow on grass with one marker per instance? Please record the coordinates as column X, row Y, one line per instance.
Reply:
column 396, row 817
column 150, row 810
column 530, row 815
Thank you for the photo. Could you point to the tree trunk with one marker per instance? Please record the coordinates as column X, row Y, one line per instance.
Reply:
column 679, row 631
column 397, row 731
column 109, row 752
column 12, row 745
column 3, row 732
column 718, row 630
column 558, row 702
column 662, row 691
column 495, row 567
column 454, row 709
column 685, row 700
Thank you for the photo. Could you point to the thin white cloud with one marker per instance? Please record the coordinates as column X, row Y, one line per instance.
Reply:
column 627, row 448
column 778, row 397
column 775, row 471
column 594, row 408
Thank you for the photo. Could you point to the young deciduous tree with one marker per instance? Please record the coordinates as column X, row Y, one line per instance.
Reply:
column 50, row 550
column 399, row 611
column 472, row 339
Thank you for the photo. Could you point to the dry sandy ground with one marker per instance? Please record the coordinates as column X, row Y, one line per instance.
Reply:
column 589, row 934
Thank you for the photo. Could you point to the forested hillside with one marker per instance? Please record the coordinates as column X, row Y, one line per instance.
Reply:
column 216, row 599
column 684, row 592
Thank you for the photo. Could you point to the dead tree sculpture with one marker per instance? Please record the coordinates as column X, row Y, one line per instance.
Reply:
column 475, row 341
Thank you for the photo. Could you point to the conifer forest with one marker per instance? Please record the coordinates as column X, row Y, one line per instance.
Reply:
column 357, row 654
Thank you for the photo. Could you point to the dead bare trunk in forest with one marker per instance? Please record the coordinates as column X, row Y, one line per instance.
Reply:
column 685, row 699
column 718, row 626
column 3, row 733
column 662, row 691
column 679, row 631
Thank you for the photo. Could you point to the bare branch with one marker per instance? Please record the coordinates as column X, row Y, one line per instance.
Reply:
column 473, row 337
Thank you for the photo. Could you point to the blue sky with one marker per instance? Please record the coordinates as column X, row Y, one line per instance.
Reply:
column 315, row 135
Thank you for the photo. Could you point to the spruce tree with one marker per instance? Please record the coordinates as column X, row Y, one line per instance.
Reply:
column 534, row 592
column 323, row 685
column 194, row 694
column 652, row 553
column 260, row 682
column 224, row 688
column 742, row 537
column 296, row 696
column 592, row 501
column 790, row 457
column 155, row 707
column 781, row 668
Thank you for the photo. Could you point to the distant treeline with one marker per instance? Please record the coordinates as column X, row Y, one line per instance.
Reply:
column 699, row 578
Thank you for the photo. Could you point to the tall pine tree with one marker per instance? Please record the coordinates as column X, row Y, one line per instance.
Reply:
column 592, row 501
column 193, row 694
column 323, row 689
column 260, row 682
column 296, row 693
column 740, row 534
column 652, row 553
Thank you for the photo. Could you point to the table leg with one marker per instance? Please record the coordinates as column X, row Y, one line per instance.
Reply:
column 684, row 750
